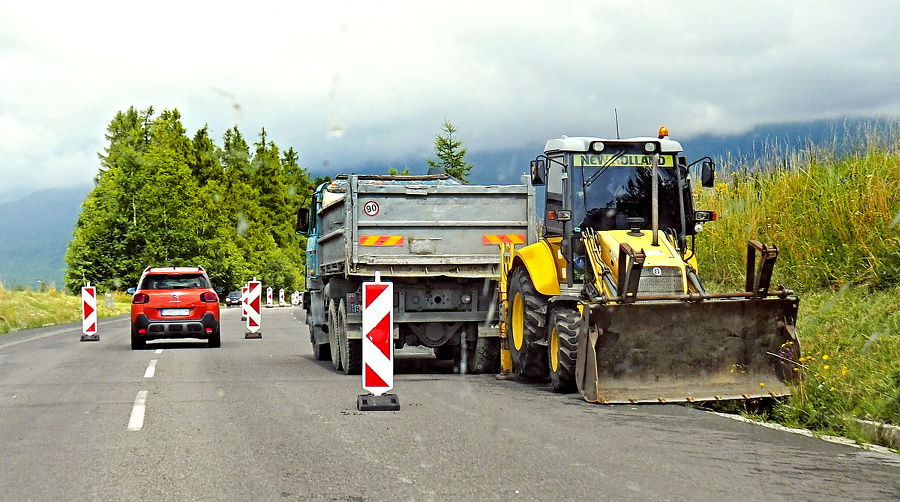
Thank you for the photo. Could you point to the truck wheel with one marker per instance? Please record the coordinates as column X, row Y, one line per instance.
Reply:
column 562, row 346
column 445, row 352
column 522, row 319
column 487, row 356
column 321, row 351
column 351, row 350
column 333, row 335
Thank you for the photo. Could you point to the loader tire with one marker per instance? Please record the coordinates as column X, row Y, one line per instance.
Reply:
column 562, row 346
column 523, row 319
column 333, row 336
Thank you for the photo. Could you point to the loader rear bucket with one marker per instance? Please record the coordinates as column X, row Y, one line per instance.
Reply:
column 677, row 351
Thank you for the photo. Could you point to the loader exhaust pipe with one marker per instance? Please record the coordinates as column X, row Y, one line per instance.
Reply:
column 654, row 200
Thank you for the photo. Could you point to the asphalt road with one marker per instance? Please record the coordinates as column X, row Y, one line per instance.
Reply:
column 261, row 420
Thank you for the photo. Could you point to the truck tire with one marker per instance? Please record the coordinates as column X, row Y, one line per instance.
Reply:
column 563, row 343
column 351, row 350
column 333, row 335
column 487, row 356
column 522, row 320
column 321, row 351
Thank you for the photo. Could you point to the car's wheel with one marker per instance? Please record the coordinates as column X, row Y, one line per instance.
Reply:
column 333, row 335
column 137, row 343
column 215, row 339
column 562, row 346
column 522, row 318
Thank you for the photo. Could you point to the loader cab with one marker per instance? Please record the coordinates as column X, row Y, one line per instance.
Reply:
column 606, row 184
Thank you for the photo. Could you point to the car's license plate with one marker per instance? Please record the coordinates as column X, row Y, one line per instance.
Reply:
column 175, row 312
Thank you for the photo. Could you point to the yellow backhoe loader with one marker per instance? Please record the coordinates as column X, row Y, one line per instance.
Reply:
column 609, row 300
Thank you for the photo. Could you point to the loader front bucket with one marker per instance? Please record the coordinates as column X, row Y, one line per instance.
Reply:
column 678, row 351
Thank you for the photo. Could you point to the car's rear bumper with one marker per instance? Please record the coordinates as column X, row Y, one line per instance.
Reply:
column 174, row 328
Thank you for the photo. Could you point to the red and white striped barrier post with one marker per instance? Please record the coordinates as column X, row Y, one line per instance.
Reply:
column 244, row 290
column 281, row 297
column 269, row 297
column 89, row 314
column 254, row 291
column 295, row 298
column 378, row 347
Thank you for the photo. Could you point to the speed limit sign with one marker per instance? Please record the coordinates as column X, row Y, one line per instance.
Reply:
column 370, row 208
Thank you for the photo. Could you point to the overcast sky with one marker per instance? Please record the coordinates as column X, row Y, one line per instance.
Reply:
column 349, row 82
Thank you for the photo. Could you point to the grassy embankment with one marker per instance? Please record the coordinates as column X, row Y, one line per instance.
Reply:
column 836, row 222
column 25, row 309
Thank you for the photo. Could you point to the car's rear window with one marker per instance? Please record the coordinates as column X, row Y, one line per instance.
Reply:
column 174, row 281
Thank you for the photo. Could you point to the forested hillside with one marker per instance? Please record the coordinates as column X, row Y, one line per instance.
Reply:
column 163, row 198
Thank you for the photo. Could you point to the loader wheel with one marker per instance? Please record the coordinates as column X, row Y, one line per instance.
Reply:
column 522, row 319
column 333, row 336
column 563, row 343
column 351, row 350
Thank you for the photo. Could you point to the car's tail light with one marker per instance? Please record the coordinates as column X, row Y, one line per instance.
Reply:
column 209, row 297
column 140, row 298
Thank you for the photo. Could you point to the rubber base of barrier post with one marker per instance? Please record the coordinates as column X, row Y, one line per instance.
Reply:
column 90, row 338
column 385, row 402
column 248, row 335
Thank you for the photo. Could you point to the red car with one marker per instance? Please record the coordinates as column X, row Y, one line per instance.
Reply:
column 174, row 302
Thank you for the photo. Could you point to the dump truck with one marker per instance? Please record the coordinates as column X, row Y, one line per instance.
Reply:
column 609, row 301
column 433, row 237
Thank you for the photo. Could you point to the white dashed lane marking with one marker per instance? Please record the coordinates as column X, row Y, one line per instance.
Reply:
column 151, row 369
column 137, row 413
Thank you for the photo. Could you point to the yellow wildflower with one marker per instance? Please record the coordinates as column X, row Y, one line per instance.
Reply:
column 831, row 389
column 761, row 385
column 825, row 357
column 844, row 370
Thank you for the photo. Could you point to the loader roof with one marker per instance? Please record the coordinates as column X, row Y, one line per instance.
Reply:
column 583, row 143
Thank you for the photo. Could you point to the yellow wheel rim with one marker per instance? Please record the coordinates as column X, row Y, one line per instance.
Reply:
column 554, row 350
column 518, row 322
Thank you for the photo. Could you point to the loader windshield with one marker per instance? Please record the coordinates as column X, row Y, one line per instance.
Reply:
column 616, row 186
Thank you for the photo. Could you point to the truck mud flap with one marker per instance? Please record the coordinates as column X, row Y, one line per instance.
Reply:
column 676, row 351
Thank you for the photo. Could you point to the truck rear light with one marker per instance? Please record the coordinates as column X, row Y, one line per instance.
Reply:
column 140, row 298
column 142, row 331
column 208, row 331
column 209, row 297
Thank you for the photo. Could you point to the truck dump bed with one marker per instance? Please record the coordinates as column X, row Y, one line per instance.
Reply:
column 420, row 226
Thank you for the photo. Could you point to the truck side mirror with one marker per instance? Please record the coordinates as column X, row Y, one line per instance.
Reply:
column 302, row 220
column 708, row 174
column 538, row 172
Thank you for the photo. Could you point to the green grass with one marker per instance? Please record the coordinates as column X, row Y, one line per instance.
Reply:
column 836, row 222
column 25, row 309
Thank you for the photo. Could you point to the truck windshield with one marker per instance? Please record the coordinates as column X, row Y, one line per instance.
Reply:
column 616, row 186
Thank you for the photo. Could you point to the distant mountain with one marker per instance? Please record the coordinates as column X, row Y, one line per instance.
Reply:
column 35, row 231
column 506, row 166
column 34, row 235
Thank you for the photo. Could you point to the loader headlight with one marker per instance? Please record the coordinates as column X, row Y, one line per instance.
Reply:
column 466, row 299
column 597, row 146
column 650, row 147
